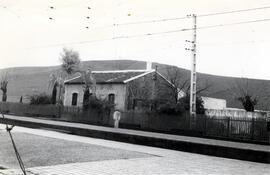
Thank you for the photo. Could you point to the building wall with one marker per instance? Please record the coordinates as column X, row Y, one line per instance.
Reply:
column 102, row 92
column 214, row 103
column 69, row 90
column 149, row 87
column 236, row 113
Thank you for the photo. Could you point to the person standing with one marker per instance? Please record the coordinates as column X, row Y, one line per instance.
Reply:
column 116, row 118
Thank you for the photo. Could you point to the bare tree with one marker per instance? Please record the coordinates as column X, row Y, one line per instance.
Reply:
column 3, row 86
column 202, row 86
column 177, row 82
column 179, row 87
column 181, row 84
column 243, row 93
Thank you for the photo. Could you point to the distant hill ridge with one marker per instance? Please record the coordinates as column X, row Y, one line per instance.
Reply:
column 29, row 80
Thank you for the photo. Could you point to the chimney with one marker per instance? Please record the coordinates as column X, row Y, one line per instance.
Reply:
column 148, row 65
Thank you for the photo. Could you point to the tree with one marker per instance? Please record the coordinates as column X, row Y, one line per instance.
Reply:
column 70, row 61
column 54, row 94
column 248, row 102
column 70, row 65
column 199, row 104
column 89, row 84
column 56, row 83
column 21, row 99
column 177, row 83
column 245, row 95
column 178, row 88
column 3, row 86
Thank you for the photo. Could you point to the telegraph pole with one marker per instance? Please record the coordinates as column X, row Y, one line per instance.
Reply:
column 193, row 78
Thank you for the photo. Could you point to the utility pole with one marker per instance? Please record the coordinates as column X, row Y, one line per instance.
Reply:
column 193, row 78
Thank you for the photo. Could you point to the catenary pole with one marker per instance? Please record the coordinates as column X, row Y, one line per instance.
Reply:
column 193, row 78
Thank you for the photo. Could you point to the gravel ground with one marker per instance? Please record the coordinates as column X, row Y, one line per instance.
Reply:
column 44, row 151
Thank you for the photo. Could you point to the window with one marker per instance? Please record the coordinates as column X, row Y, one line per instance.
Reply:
column 111, row 98
column 74, row 99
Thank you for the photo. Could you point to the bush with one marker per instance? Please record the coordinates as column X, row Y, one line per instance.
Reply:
column 166, row 109
column 99, row 104
column 199, row 104
column 39, row 99
column 171, row 109
column 181, row 106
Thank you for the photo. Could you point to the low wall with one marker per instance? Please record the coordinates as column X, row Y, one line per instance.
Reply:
column 236, row 113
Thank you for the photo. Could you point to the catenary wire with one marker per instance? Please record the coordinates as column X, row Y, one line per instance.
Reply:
column 155, row 33
column 185, row 17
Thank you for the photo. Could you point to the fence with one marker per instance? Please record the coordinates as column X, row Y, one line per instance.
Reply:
column 90, row 116
column 30, row 110
column 243, row 129
column 68, row 113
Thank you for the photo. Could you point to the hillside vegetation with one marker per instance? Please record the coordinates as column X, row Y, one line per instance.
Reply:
column 25, row 81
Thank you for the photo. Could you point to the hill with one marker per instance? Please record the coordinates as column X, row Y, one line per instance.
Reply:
column 25, row 81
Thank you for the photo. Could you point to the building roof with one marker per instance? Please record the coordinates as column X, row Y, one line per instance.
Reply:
column 112, row 77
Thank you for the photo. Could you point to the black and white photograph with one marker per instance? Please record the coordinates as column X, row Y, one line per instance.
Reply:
column 134, row 87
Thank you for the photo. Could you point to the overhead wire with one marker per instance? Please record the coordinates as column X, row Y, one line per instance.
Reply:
column 166, row 32
column 113, row 38
column 155, row 33
column 185, row 17
column 234, row 11
column 235, row 23
column 233, row 43
column 150, row 21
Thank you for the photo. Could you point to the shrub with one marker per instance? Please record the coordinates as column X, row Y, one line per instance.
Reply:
column 166, row 109
column 181, row 106
column 199, row 104
column 171, row 109
column 39, row 99
column 99, row 104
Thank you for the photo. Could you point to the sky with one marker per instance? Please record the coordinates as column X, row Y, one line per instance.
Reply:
column 34, row 32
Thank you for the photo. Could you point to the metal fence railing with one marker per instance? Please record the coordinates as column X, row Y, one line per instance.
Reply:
column 242, row 129
column 245, row 129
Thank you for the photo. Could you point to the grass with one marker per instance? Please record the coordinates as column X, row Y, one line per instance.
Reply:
column 43, row 151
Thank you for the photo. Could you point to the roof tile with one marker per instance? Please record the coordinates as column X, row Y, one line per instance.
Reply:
column 108, row 77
